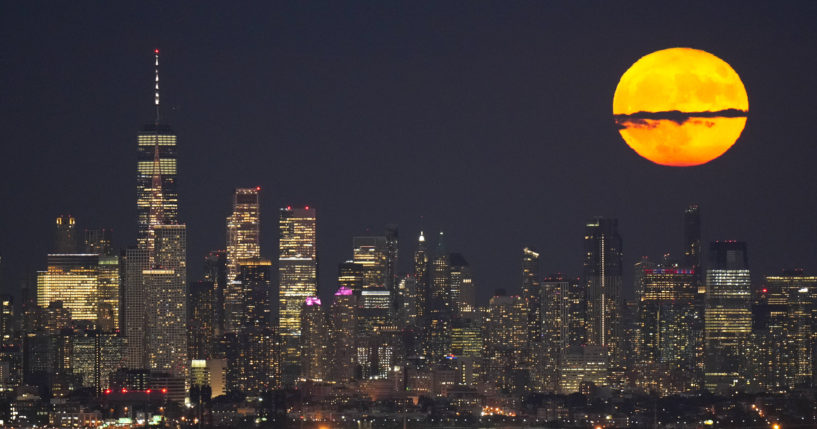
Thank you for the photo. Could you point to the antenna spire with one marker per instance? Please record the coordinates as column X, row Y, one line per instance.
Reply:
column 156, row 82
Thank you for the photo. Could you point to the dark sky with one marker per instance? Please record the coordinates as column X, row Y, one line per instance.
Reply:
column 490, row 120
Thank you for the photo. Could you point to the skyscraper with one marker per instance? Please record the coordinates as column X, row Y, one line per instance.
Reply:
column 243, row 242
column 692, row 238
column 531, row 294
column 314, row 344
column 298, row 279
column 602, row 272
column 371, row 253
column 136, row 262
column 156, row 159
column 441, row 275
column 166, row 290
column 727, row 317
column 74, row 280
column 421, row 262
column 342, row 329
column 667, row 315
column 462, row 284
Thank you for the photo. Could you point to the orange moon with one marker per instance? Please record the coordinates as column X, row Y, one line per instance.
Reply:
column 680, row 107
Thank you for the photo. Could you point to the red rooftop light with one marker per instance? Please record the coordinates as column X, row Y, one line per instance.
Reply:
column 155, row 51
column 148, row 391
column 108, row 391
column 164, row 390
column 257, row 188
column 307, row 207
column 124, row 390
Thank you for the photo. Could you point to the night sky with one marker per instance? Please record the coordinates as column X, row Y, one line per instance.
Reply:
column 492, row 121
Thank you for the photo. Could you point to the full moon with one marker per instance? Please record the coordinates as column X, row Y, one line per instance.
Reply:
column 680, row 107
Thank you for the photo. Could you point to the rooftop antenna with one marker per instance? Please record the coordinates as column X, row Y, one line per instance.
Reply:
column 156, row 215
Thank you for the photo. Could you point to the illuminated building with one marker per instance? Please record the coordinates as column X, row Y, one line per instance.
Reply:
column 531, row 293
column 505, row 334
column 462, row 284
column 65, row 240
column 555, row 304
column 254, row 363
column 108, row 313
column 243, row 230
column 667, row 316
column 441, row 275
column 374, row 309
column 95, row 356
column 136, row 261
column 156, row 159
column 407, row 302
column 783, row 331
column 215, row 271
column 297, row 274
column 392, row 245
column 342, row 330
column 602, row 272
column 371, row 254
column 692, row 238
column 350, row 276
column 200, row 322
column 582, row 365
column 74, row 280
column 166, row 300
column 727, row 317
column 467, row 346
column 313, row 341
column 421, row 274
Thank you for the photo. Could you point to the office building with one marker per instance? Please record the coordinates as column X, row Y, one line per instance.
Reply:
column 727, row 317
column 243, row 242
column 297, row 275
column 602, row 273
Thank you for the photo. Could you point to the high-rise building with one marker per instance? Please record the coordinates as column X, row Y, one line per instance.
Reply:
column 602, row 272
column 342, row 330
column 505, row 335
column 155, row 174
column 783, row 331
column 467, row 346
column 110, row 293
column 727, row 317
column 370, row 252
column 407, row 302
column 531, row 293
column 668, row 316
column 555, row 301
column 200, row 321
column 692, row 238
column 392, row 246
column 65, row 239
column 441, row 275
column 136, row 262
column 243, row 242
column 421, row 274
column 74, row 280
column 215, row 271
column 298, row 279
column 166, row 301
column 462, row 284
column 254, row 362
column 314, row 344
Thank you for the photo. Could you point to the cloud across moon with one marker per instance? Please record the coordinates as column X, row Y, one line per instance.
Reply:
column 680, row 107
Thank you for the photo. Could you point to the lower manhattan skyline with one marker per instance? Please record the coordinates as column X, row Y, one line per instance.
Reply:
column 453, row 135
column 337, row 215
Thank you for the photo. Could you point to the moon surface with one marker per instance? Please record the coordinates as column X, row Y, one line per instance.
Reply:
column 680, row 107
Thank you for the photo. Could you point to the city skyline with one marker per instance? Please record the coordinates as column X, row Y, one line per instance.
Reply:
column 422, row 104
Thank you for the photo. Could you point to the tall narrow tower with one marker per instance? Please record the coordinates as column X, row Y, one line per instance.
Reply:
column 243, row 230
column 297, row 280
column 157, row 199
column 602, row 272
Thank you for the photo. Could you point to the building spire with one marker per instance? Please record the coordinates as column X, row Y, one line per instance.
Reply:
column 156, row 213
column 156, row 83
